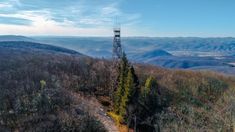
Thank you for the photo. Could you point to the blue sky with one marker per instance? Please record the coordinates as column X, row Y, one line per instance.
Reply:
column 164, row 18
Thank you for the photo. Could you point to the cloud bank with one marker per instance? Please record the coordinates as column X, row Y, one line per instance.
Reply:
column 64, row 17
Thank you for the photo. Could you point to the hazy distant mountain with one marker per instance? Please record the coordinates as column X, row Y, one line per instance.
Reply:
column 30, row 46
column 148, row 55
column 99, row 53
column 15, row 38
column 81, row 44
column 133, row 44
column 155, row 53
column 136, row 44
column 188, row 44
column 183, row 53
column 185, row 62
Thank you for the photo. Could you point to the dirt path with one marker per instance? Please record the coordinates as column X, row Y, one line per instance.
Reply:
column 91, row 105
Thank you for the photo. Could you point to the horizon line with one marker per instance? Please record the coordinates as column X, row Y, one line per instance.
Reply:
column 94, row 36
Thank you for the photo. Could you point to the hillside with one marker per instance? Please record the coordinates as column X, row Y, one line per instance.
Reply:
column 48, row 88
column 34, row 94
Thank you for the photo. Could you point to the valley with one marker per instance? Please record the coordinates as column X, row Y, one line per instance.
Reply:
column 213, row 54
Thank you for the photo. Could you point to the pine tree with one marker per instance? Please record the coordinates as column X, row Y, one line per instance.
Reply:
column 151, row 87
column 128, row 92
column 126, row 95
column 129, row 100
column 150, row 94
column 123, row 69
column 136, row 90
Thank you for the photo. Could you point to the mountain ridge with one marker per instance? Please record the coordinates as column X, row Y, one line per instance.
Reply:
column 35, row 46
column 185, row 53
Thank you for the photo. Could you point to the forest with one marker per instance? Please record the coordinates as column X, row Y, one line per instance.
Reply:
column 37, row 88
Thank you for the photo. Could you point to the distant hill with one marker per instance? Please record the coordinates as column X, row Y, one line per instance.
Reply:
column 99, row 53
column 15, row 38
column 183, row 53
column 148, row 55
column 30, row 46
column 135, row 44
column 181, row 43
column 184, row 62
column 155, row 53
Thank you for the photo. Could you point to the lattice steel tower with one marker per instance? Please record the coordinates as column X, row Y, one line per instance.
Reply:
column 117, row 54
column 117, row 48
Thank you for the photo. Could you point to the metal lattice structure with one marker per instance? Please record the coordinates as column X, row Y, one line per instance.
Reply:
column 117, row 55
column 117, row 48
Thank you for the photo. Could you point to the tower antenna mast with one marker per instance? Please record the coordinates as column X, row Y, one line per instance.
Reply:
column 117, row 48
column 117, row 55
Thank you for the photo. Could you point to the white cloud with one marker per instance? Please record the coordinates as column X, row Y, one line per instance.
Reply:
column 44, row 25
column 51, row 28
column 81, row 20
column 5, row 5
column 110, row 10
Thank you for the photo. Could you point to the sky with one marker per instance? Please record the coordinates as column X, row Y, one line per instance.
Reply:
column 150, row 18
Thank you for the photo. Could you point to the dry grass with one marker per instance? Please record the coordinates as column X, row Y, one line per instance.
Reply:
column 117, row 119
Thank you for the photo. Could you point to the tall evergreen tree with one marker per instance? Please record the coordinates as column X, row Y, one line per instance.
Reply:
column 123, row 69
column 151, row 87
column 129, row 100
column 128, row 93
column 150, row 94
